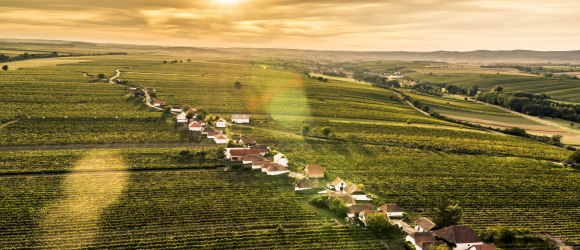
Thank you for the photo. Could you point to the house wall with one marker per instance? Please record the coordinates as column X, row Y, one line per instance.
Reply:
column 220, row 124
column 182, row 120
column 397, row 214
column 361, row 197
column 410, row 239
column 283, row 162
column 195, row 129
column 221, row 141
column 277, row 172
column 466, row 246
column 241, row 120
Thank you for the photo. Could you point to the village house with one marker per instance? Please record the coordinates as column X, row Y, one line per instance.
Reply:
column 356, row 192
column 281, row 159
column 240, row 118
column 221, row 139
column 264, row 150
column 392, row 210
column 246, row 141
column 221, row 123
column 212, row 135
column 176, row 109
column 306, row 184
column 208, row 130
column 275, row 169
column 458, row 237
column 195, row 126
column 237, row 154
column 191, row 111
column 314, row 171
column 423, row 240
column 337, row 184
column 257, row 165
column 159, row 103
column 424, row 225
column 347, row 199
column 354, row 210
column 182, row 118
column 364, row 215
column 251, row 158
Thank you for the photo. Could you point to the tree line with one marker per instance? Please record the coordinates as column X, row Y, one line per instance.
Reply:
column 27, row 56
column 530, row 104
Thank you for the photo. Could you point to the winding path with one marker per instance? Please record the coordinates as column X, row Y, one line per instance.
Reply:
column 112, row 79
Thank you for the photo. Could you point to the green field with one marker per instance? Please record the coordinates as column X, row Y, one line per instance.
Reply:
column 566, row 90
column 152, row 197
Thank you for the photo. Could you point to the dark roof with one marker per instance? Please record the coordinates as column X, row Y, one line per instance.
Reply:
column 357, row 208
column 457, row 234
column 421, row 237
column 485, row 246
column 209, row 129
column 244, row 151
column 253, row 157
column 175, row 107
column 353, row 189
column 308, row 183
column 247, row 140
column 426, row 224
column 275, row 167
column 390, row 208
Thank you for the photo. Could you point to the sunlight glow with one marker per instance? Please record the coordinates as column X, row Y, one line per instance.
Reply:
column 226, row 1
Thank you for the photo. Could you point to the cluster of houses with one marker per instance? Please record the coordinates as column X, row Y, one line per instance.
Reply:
column 424, row 235
column 256, row 157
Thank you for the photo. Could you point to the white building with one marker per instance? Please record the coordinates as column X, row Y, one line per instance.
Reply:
column 176, row 109
column 221, row 123
column 182, row 118
column 281, row 159
column 392, row 210
column 276, row 169
column 195, row 126
column 462, row 237
column 220, row 139
column 337, row 184
column 240, row 118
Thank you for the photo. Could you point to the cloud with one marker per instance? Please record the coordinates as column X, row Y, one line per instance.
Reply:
column 316, row 24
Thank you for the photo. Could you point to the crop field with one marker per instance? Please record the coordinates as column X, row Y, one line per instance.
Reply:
column 558, row 89
column 96, row 205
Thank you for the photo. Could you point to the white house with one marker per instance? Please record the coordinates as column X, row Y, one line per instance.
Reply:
column 237, row 154
column 423, row 240
column 159, row 103
column 424, row 225
column 281, row 159
column 182, row 117
column 208, row 130
column 240, row 118
column 460, row 236
column 221, row 123
column 220, row 139
column 212, row 135
column 392, row 210
column 356, row 192
column 195, row 126
column 337, row 184
column 176, row 109
column 276, row 169
column 354, row 210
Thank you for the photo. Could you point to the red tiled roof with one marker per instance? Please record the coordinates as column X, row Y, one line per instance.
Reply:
column 390, row 208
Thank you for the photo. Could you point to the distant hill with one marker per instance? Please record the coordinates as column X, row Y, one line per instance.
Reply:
column 480, row 56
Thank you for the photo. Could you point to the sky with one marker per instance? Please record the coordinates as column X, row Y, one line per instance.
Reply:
column 356, row 25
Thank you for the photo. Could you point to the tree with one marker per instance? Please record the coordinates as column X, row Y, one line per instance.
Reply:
column 238, row 85
column 326, row 131
column 498, row 89
column 575, row 157
column 473, row 90
column 378, row 222
column 5, row 67
column 101, row 76
column 339, row 207
column 425, row 108
column 446, row 214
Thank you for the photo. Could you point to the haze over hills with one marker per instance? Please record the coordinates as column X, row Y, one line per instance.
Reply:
column 478, row 56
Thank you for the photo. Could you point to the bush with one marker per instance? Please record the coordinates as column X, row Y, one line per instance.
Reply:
column 379, row 222
column 326, row 131
column 339, row 207
column 320, row 201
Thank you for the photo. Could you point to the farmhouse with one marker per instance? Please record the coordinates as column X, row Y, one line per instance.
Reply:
column 212, row 135
column 347, row 199
column 159, row 103
column 195, row 126
column 458, row 237
column 354, row 210
column 264, row 150
column 237, row 154
column 424, row 225
column 314, row 171
column 240, row 118
column 392, row 210
column 276, row 169
column 305, row 184
column 251, row 158
column 220, row 139
column 364, row 215
column 423, row 240
column 259, row 164
column 190, row 110
column 246, row 141
column 356, row 192
column 337, row 184
column 221, row 123
column 176, row 109
column 281, row 159
column 182, row 118
column 208, row 130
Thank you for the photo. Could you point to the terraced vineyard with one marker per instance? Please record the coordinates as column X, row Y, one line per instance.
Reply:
column 557, row 89
column 109, row 208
